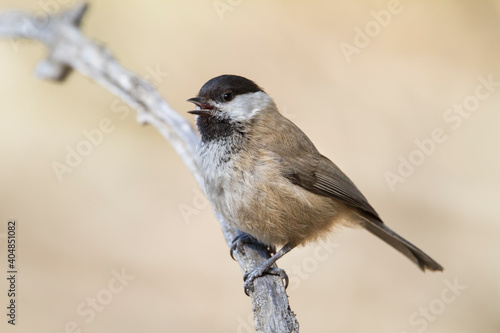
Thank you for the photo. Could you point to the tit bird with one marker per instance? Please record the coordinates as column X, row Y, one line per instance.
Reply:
column 268, row 180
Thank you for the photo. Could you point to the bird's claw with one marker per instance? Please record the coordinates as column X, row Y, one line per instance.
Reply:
column 250, row 277
column 266, row 267
column 238, row 242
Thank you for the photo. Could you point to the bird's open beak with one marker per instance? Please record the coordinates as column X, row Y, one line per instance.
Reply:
column 205, row 107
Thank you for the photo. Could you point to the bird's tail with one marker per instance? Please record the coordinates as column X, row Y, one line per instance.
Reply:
column 413, row 253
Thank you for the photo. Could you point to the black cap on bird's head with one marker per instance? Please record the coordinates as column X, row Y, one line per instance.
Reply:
column 221, row 89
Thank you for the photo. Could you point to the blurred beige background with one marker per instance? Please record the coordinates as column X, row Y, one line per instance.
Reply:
column 120, row 212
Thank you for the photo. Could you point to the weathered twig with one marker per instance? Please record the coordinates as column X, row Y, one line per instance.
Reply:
column 69, row 49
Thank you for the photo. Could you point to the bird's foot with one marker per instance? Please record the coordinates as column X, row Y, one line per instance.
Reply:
column 241, row 239
column 250, row 277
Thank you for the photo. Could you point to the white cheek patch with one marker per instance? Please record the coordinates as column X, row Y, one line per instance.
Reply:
column 245, row 107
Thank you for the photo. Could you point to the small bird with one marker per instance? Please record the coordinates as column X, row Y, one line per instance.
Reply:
column 268, row 180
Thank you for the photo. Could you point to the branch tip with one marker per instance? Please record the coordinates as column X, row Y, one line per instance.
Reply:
column 75, row 14
column 52, row 71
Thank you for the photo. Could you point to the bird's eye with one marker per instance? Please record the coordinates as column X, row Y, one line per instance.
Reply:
column 227, row 96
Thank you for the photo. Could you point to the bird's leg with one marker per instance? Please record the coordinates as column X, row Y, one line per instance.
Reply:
column 266, row 267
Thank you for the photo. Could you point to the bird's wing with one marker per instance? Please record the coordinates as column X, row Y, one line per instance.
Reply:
column 318, row 174
column 304, row 166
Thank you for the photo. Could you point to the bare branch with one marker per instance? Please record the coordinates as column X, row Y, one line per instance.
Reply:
column 69, row 49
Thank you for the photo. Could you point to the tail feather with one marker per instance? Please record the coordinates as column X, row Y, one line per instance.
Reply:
column 412, row 252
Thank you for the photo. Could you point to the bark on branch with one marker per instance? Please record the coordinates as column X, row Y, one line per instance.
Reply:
column 69, row 49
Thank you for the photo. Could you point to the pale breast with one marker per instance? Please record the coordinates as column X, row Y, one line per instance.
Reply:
column 252, row 195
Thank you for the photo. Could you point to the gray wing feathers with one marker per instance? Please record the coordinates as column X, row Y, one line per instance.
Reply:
column 332, row 181
column 319, row 175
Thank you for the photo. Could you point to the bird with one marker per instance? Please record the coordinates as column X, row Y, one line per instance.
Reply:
column 268, row 181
